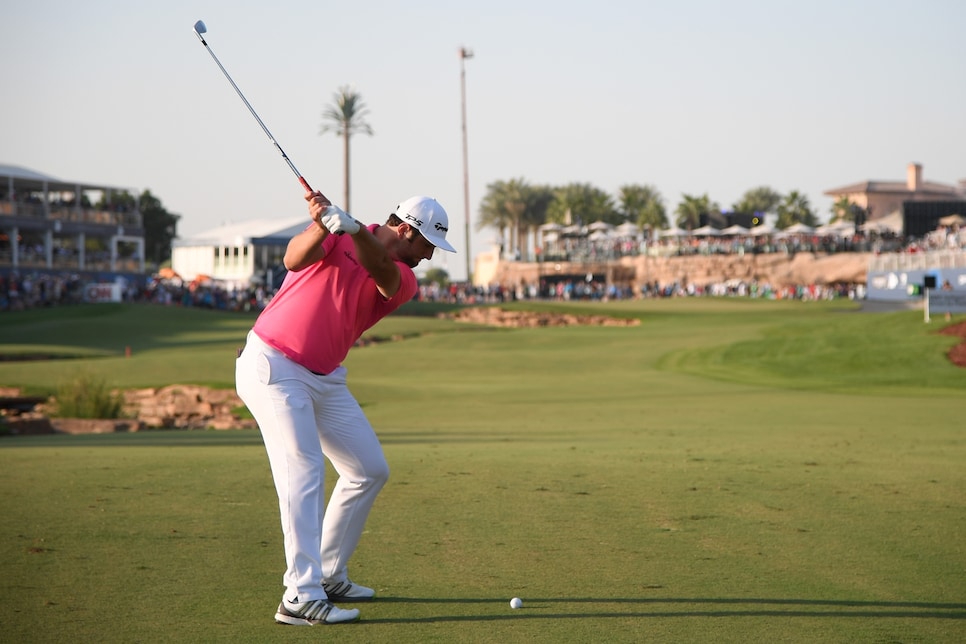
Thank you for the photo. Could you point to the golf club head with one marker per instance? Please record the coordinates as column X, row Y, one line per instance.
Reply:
column 200, row 28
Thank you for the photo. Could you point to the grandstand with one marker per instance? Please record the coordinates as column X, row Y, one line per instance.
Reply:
column 47, row 224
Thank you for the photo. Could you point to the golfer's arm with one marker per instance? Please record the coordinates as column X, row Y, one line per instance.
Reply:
column 376, row 260
column 305, row 249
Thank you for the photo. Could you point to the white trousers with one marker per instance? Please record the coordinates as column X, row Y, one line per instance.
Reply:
column 303, row 419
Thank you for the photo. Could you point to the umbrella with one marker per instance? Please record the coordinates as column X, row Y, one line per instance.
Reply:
column 673, row 232
column 627, row 229
column 551, row 226
column 840, row 227
column 706, row 231
column 736, row 229
column 892, row 222
column 573, row 231
column 601, row 225
column 953, row 220
column 168, row 273
column 764, row 229
column 799, row 228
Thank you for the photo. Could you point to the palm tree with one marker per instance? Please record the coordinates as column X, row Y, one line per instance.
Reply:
column 692, row 208
column 582, row 203
column 844, row 209
column 345, row 117
column 517, row 207
column 795, row 209
column 502, row 208
column 757, row 202
column 538, row 200
column 643, row 205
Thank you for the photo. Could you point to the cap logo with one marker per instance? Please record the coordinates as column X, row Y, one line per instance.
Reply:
column 439, row 226
column 409, row 217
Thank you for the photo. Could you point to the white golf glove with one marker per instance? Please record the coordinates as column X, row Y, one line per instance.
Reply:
column 337, row 221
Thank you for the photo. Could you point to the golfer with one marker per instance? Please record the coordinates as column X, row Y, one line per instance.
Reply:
column 343, row 278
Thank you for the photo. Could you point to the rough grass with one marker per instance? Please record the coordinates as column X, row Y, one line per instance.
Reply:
column 630, row 484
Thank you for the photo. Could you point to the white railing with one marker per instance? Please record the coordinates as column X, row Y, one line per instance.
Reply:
column 63, row 213
column 918, row 261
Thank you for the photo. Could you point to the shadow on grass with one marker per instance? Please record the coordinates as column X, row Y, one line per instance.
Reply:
column 148, row 438
column 542, row 608
column 205, row 438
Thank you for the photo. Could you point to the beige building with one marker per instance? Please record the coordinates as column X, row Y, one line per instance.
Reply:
column 883, row 198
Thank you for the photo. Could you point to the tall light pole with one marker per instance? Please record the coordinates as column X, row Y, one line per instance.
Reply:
column 464, row 54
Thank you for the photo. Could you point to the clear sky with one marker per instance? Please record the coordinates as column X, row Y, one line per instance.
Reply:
column 691, row 96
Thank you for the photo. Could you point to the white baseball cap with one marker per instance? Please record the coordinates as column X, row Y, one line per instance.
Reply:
column 428, row 217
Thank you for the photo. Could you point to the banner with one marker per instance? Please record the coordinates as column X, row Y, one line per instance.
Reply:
column 102, row 292
column 941, row 301
column 908, row 284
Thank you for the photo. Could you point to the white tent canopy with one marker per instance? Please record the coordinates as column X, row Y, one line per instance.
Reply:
column 736, row 229
column 574, row 231
column 706, row 231
column 890, row 223
column 798, row 229
column 764, row 229
column 673, row 232
column 839, row 228
column 628, row 229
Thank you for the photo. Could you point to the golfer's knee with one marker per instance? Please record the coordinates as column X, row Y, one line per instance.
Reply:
column 377, row 473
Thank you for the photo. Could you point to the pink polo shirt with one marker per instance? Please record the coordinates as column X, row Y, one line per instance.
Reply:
column 319, row 312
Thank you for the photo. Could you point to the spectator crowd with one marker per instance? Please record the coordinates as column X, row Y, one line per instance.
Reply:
column 34, row 289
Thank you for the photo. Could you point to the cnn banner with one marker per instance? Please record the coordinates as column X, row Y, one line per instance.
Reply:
column 103, row 292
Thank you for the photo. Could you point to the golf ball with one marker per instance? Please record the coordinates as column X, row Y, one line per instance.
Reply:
column 516, row 602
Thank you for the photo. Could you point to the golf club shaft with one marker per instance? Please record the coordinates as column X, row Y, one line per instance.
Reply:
column 305, row 184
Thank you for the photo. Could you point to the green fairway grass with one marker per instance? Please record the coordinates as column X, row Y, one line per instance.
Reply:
column 727, row 470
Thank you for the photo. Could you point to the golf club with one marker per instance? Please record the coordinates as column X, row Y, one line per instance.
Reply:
column 199, row 29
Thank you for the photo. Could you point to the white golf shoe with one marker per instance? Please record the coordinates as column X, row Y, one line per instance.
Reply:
column 312, row 612
column 346, row 591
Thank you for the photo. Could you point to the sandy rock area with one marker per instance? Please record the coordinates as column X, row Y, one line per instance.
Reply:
column 171, row 407
column 957, row 355
column 498, row 317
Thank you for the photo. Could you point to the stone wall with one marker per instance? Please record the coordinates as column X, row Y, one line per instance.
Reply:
column 777, row 269
column 186, row 407
column 171, row 407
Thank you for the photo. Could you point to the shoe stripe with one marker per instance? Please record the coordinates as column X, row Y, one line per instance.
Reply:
column 338, row 588
column 318, row 610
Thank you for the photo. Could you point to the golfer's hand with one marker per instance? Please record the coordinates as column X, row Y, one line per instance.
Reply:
column 337, row 221
column 317, row 206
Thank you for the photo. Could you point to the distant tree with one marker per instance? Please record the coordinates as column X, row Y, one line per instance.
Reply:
column 517, row 207
column 844, row 209
column 582, row 203
column 346, row 116
column 160, row 226
column 505, row 207
column 691, row 209
column 643, row 205
column 493, row 212
column 539, row 199
column 757, row 201
column 437, row 276
column 795, row 209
